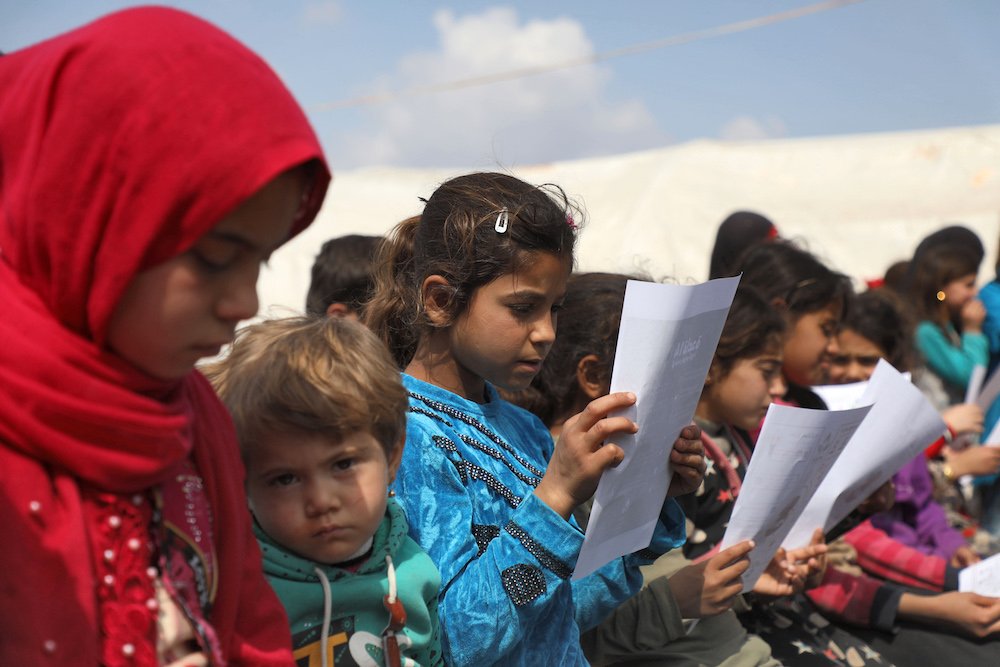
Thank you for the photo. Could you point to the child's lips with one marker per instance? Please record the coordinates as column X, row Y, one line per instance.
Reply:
column 327, row 531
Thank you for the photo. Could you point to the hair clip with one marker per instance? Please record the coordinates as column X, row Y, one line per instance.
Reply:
column 503, row 220
column 570, row 221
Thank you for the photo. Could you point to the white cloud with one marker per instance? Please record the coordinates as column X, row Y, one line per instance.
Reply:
column 322, row 12
column 748, row 128
column 554, row 116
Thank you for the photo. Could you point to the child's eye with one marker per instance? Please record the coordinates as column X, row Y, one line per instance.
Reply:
column 206, row 264
column 521, row 308
column 770, row 371
column 285, row 479
column 557, row 307
column 344, row 464
column 214, row 255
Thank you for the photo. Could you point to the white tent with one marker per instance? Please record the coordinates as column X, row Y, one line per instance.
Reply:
column 859, row 202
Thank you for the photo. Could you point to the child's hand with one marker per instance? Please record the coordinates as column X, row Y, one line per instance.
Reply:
column 191, row 660
column 968, row 613
column 687, row 459
column 810, row 561
column 973, row 313
column 981, row 460
column 709, row 588
column 964, row 556
column 964, row 418
column 581, row 456
column 792, row 571
column 780, row 577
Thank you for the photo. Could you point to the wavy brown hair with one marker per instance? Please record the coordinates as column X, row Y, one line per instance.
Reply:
column 456, row 237
column 318, row 375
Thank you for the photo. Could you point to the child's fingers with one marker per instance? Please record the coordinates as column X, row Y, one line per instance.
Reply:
column 805, row 553
column 608, row 456
column 733, row 573
column 599, row 408
column 608, row 427
column 691, row 432
column 730, row 555
column 687, row 446
column 690, row 460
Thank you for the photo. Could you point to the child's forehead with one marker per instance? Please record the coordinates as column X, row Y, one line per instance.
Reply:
column 293, row 442
column 538, row 269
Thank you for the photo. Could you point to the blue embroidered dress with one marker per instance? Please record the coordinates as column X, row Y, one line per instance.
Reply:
column 506, row 558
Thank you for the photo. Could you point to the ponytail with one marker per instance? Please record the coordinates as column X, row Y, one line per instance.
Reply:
column 393, row 312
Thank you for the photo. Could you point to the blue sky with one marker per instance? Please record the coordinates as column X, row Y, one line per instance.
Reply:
column 870, row 66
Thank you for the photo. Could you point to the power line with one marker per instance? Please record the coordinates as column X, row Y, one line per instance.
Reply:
column 642, row 47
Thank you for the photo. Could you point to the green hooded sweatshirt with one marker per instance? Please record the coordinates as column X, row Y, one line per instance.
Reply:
column 358, row 615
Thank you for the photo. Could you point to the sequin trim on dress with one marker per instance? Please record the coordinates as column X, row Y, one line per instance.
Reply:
column 479, row 426
column 428, row 413
column 484, row 534
column 444, row 443
column 548, row 559
column 523, row 583
column 469, row 471
column 494, row 454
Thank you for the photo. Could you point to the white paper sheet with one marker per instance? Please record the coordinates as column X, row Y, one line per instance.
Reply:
column 993, row 439
column 841, row 396
column 666, row 343
column 976, row 378
column 990, row 391
column 844, row 396
column 900, row 425
column 795, row 450
column 986, row 397
column 982, row 578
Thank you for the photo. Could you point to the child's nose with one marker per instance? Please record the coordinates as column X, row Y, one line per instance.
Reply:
column 855, row 372
column 832, row 347
column 239, row 300
column 320, row 499
column 544, row 331
column 778, row 387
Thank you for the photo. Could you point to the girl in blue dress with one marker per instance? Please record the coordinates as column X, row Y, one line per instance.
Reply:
column 466, row 298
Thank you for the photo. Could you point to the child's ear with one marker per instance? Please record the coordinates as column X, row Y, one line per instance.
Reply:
column 435, row 293
column 588, row 376
column 338, row 309
column 713, row 375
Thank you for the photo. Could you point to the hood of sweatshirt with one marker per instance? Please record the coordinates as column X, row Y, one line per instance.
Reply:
column 279, row 562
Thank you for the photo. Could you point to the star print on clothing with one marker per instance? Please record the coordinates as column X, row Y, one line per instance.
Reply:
column 803, row 648
column 709, row 467
column 871, row 654
column 725, row 496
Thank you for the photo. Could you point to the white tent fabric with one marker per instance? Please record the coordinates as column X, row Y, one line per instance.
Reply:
column 859, row 202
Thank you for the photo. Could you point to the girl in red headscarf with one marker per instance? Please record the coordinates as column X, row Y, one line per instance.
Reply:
column 148, row 164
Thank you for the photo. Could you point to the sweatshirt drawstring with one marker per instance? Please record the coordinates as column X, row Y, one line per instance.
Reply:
column 327, row 604
column 397, row 619
column 390, row 570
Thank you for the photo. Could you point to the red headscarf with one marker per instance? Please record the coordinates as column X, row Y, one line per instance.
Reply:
column 122, row 142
